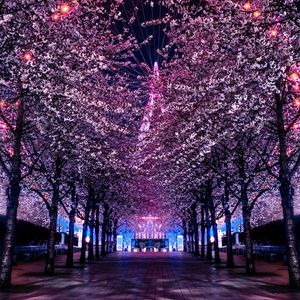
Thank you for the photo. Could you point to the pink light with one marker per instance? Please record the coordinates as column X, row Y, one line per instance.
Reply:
column 294, row 76
column 274, row 33
column 256, row 14
column 296, row 88
column 27, row 56
column 55, row 17
column 297, row 102
column 4, row 126
column 247, row 6
column 18, row 103
column 65, row 8
column 149, row 218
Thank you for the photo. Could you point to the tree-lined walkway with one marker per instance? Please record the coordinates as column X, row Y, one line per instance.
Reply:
column 149, row 276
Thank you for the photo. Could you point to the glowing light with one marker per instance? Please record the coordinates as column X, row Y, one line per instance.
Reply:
column 294, row 76
column 247, row 6
column 27, row 56
column 296, row 88
column 297, row 102
column 4, row 126
column 212, row 239
column 274, row 33
column 65, row 8
column 55, row 17
column 256, row 14
column 87, row 239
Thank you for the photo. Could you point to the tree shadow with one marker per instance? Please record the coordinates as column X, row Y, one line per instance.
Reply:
column 19, row 289
column 257, row 274
column 280, row 289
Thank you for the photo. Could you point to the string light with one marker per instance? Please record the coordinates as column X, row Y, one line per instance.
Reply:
column 294, row 76
column 274, row 32
column 18, row 103
column 65, row 8
column 247, row 6
column 256, row 14
column 55, row 17
column 27, row 56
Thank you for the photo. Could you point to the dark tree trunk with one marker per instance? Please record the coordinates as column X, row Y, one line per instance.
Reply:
column 202, row 232
column 250, row 267
column 192, row 242
column 286, row 192
column 49, row 267
column 108, row 237
column 208, row 243
column 85, row 228
column 104, row 230
column 289, row 226
column 97, row 232
column 10, row 233
column 83, row 247
column 215, row 230
column 91, row 243
column 225, row 203
column 216, row 244
column 70, row 251
column 72, row 214
column 115, row 235
column 184, row 236
column 13, row 193
column 196, row 229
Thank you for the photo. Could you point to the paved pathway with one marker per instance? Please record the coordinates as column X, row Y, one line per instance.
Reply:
column 149, row 276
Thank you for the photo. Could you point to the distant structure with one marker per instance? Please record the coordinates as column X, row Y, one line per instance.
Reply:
column 154, row 97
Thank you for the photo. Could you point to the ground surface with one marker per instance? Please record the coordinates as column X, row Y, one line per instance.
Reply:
column 149, row 276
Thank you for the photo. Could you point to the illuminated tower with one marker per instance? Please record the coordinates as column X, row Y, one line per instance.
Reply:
column 154, row 97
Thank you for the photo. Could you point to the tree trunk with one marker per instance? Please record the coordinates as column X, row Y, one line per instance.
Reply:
column 70, row 252
column 192, row 242
column 13, row 193
column 208, row 243
column 184, row 236
column 85, row 227
column 289, row 226
column 215, row 230
column 115, row 235
column 72, row 214
column 196, row 229
column 108, row 237
column 91, row 243
column 216, row 244
column 97, row 232
column 202, row 233
column 83, row 247
column 49, row 267
column 286, row 192
column 225, row 203
column 250, row 267
column 211, row 207
column 10, row 234
column 104, row 230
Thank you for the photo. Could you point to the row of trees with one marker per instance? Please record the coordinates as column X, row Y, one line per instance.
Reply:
column 67, row 120
column 230, row 136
